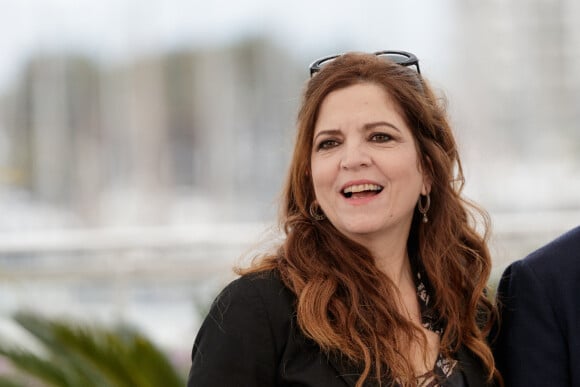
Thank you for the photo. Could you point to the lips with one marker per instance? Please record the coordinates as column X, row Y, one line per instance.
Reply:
column 361, row 190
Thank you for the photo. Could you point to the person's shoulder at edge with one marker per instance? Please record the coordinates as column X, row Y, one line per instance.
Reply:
column 561, row 255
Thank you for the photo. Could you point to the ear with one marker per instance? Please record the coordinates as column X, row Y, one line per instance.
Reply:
column 427, row 179
column 426, row 188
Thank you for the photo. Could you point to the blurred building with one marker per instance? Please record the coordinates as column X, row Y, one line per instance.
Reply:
column 214, row 124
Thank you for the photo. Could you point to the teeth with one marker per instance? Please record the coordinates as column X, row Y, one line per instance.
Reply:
column 362, row 188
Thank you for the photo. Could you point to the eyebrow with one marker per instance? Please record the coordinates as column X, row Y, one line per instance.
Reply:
column 372, row 125
column 366, row 128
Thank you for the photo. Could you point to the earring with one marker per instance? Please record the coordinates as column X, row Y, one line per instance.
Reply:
column 315, row 212
column 424, row 208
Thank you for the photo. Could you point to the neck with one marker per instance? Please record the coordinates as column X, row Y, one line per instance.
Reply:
column 392, row 258
column 389, row 249
column 396, row 265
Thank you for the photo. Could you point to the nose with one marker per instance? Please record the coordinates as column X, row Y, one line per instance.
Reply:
column 354, row 157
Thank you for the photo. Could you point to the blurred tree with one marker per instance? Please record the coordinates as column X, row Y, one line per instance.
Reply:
column 71, row 354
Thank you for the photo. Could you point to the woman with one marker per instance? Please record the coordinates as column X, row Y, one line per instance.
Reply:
column 381, row 277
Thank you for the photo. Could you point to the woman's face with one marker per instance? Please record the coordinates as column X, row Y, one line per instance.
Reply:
column 365, row 168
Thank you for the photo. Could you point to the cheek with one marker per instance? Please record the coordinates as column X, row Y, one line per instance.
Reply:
column 321, row 176
column 406, row 171
column 317, row 179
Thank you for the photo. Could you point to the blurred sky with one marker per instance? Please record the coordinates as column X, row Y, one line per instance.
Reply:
column 119, row 29
column 461, row 44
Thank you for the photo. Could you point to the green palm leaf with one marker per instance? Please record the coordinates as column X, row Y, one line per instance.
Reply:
column 6, row 381
column 79, row 355
column 36, row 366
column 74, row 369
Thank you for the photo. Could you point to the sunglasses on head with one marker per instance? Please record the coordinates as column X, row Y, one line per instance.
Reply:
column 400, row 57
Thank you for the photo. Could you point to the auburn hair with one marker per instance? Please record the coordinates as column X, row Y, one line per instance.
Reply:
column 344, row 302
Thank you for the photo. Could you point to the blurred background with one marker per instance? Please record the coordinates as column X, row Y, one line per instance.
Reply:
column 143, row 144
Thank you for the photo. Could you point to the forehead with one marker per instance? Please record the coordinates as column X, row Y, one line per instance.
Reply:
column 357, row 104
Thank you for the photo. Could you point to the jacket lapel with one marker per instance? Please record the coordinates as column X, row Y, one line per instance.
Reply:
column 344, row 369
column 349, row 373
column 472, row 369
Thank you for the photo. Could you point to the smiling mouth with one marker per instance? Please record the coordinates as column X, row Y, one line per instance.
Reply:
column 361, row 190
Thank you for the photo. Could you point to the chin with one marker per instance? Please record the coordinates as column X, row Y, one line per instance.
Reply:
column 360, row 230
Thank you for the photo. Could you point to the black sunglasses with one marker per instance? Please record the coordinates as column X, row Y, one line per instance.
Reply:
column 400, row 57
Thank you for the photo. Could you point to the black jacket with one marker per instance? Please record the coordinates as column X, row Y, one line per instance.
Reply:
column 539, row 297
column 250, row 338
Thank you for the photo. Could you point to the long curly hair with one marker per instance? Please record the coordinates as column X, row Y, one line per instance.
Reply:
column 344, row 302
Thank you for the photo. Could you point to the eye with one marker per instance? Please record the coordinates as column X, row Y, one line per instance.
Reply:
column 326, row 144
column 380, row 137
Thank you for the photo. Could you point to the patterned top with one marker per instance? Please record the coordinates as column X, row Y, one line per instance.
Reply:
column 445, row 373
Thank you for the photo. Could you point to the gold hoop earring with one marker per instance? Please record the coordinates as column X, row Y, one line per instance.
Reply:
column 424, row 208
column 315, row 212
